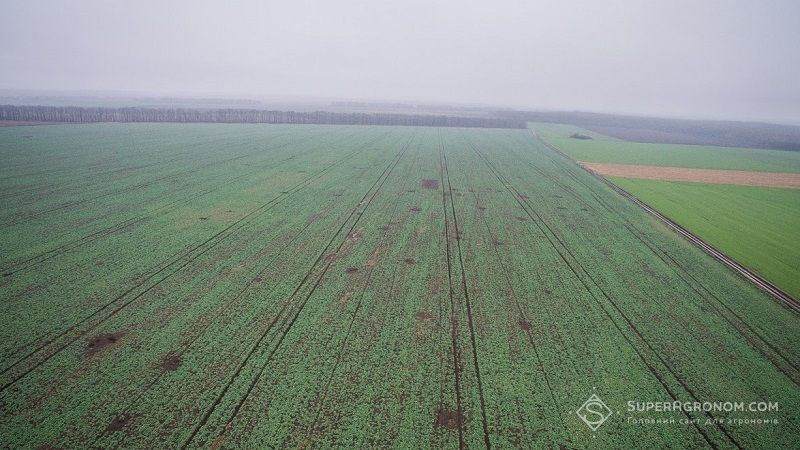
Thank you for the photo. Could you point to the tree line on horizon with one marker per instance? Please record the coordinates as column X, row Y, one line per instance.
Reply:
column 74, row 114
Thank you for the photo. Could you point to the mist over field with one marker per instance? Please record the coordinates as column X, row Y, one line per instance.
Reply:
column 711, row 59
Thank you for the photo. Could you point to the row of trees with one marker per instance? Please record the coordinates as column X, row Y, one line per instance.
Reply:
column 74, row 114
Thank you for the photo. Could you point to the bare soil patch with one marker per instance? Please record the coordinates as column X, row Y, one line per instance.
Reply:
column 449, row 419
column 102, row 341
column 118, row 423
column 713, row 176
column 171, row 363
column 423, row 315
column 430, row 184
column 352, row 270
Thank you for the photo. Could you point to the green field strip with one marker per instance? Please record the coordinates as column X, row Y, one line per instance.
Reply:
column 712, row 301
column 602, row 149
column 748, row 317
column 755, row 226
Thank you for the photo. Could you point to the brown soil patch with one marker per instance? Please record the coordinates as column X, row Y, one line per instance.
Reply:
column 171, row 363
column 416, row 209
column 447, row 418
column 430, row 184
column 409, row 261
column 103, row 341
column 118, row 423
column 482, row 208
column 525, row 325
column 257, row 280
column 713, row 176
column 352, row 270
column 423, row 315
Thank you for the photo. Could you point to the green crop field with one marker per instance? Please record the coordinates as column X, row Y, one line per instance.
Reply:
column 756, row 225
column 255, row 286
column 604, row 149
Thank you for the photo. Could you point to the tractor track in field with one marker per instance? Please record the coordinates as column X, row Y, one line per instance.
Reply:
column 528, row 208
column 681, row 272
column 453, row 316
column 209, row 320
column 527, row 331
column 100, row 234
column 145, row 184
column 775, row 292
column 216, row 238
column 340, row 353
column 686, row 275
column 365, row 201
column 445, row 174
column 169, row 261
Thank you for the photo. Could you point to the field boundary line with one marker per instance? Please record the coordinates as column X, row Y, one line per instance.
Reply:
column 720, row 307
column 542, row 226
column 775, row 292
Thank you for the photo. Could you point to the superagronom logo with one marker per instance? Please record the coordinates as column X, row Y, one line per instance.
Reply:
column 594, row 412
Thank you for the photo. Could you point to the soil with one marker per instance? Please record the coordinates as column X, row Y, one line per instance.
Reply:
column 171, row 363
column 447, row 418
column 713, row 176
column 118, row 423
column 430, row 184
column 102, row 341
column 352, row 270
column 525, row 325
column 423, row 315
column 416, row 209
column 409, row 261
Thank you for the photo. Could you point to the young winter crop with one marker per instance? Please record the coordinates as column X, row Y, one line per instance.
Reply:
column 256, row 286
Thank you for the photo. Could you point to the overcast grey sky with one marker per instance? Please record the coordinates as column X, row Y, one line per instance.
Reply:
column 727, row 59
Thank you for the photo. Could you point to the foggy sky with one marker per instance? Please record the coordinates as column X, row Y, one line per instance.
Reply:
column 722, row 59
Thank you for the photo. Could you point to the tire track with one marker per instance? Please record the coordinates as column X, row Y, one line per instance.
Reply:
column 371, row 194
column 446, row 173
column 47, row 255
column 528, row 333
column 340, row 354
column 453, row 314
column 758, row 343
column 209, row 243
column 128, row 189
column 204, row 327
column 774, row 291
column 542, row 227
